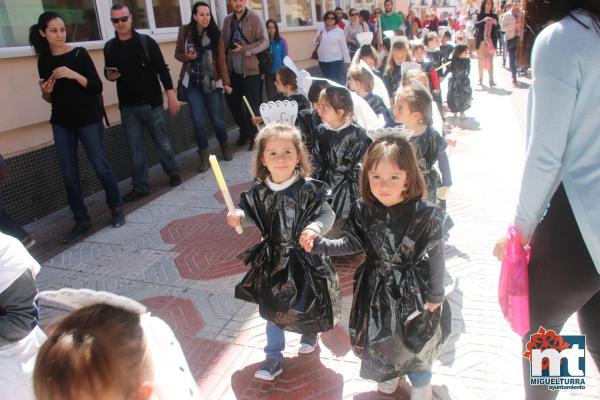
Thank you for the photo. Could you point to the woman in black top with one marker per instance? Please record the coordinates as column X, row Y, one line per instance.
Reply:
column 486, row 39
column 69, row 81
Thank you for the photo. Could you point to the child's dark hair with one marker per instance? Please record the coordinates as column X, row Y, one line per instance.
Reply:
column 358, row 73
column 418, row 98
column 429, row 37
column 459, row 49
column 397, row 150
column 276, row 36
column 284, row 131
column 40, row 43
column 93, row 351
column 339, row 98
column 288, row 77
column 387, row 43
column 447, row 35
column 367, row 50
column 400, row 44
column 315, row 89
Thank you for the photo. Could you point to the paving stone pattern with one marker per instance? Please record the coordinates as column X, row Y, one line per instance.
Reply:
column 177, row 256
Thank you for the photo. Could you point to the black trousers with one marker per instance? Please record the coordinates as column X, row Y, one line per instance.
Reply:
column 562, row 280
column 251, row 87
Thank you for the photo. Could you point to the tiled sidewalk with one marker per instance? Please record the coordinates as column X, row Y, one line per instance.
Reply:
column 177, row 255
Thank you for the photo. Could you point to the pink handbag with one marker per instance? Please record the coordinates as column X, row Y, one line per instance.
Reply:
column 513, row 288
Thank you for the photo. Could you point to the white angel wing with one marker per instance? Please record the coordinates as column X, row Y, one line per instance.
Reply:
column 364, row 114
column 287, row 61
column 304, row 82
column 75, row 299
column 172, row 376
column 390, row 34
column 279, row 111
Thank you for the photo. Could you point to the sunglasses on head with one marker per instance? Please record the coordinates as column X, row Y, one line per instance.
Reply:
column 120, row 19
column 333, row 18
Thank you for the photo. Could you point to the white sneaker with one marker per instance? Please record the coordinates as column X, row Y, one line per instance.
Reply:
column 422, row 393
column 307, row 348
column 388, row 387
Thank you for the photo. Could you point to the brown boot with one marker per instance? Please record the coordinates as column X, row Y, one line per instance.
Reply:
column 225, row 152
column 203, row 160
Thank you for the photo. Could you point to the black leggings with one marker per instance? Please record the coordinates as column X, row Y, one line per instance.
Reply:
column 562, row 280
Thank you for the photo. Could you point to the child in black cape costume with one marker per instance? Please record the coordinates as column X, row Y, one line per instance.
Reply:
column 295, row 291
column 404, row 267
column 339, row 147
column 459, row 85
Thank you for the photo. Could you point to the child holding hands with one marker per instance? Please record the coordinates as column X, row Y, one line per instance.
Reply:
column 398, row 289
column 295, row 291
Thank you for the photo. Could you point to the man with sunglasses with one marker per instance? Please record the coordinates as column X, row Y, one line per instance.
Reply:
column 136, row 63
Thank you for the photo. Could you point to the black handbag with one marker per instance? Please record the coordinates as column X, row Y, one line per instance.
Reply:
column 181, row 96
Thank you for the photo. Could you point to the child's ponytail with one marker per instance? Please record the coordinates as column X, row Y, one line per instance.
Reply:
column 40, row 43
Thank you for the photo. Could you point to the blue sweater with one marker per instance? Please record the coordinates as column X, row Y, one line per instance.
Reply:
column 564, row 128
column 279, row 50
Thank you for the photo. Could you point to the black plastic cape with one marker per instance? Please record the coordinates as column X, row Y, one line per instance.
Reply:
column 339, row 154
column 298, row 291
column 459, row 85
column 392, row 285
column 307, row 121
column 429, row 145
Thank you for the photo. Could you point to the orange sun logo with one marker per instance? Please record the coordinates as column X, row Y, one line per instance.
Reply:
column 545, row 339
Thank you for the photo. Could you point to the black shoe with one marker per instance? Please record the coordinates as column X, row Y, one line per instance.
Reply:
column 270, row 370
column 133, row 196
column 225, row 152
column 204, row 165
column 242, row 141
column 78, row 231
column 117, row 217
column 175, row 181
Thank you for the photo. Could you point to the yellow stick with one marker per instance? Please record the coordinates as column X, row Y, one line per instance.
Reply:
column 250, row 109
column 223, row 186
column 443, row 65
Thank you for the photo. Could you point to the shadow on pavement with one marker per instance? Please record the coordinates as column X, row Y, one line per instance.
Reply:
column 304, row 377
column 499, row 91
column 455, row 298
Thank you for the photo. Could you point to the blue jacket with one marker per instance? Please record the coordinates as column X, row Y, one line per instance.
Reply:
column 563, row 129
column 279, row 50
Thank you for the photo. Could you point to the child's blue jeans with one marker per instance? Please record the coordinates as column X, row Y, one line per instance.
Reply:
column 276, row 336
column 276, row 341
column 420, row 378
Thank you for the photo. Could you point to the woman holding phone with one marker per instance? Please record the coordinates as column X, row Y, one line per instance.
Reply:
column 69, row 81
column 204, row 75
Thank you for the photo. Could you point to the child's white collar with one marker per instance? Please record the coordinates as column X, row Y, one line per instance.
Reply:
column 276, row 187
column 343, row 126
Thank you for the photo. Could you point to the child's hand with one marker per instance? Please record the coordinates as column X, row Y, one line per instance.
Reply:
column 257, row 120
column 431, row 307
column 235, row 219
column 307, row 239
column 443, row 192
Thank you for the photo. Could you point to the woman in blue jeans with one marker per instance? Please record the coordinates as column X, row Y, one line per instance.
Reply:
column 69, row 81
column 204, row 75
